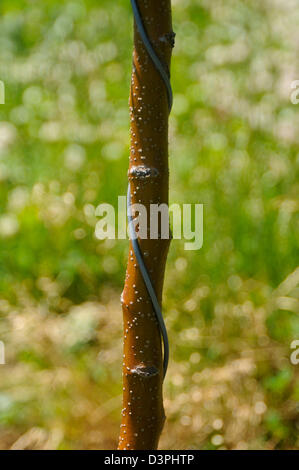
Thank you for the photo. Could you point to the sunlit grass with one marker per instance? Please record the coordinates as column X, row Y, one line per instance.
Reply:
column 232, row 307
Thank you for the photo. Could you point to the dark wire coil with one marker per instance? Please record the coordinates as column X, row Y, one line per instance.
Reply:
column 133, row 236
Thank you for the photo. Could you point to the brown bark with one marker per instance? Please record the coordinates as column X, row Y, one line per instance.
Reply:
column 143, row 413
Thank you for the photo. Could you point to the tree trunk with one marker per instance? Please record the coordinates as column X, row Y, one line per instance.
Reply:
column 143, row 413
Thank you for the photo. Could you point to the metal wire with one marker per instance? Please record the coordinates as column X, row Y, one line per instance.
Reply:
column 152, row 53
column 133, row 236
column 148, row 282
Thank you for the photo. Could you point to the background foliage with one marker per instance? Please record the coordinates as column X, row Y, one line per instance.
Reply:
column 232, row 307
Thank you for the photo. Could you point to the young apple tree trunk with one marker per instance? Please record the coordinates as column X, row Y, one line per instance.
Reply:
column 143, row 413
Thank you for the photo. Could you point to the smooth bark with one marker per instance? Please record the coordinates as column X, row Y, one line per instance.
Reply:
column 143, row 413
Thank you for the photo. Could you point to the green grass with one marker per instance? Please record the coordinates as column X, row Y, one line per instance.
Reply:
column 232, row 307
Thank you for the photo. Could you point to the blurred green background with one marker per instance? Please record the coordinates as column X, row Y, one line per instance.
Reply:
column 232, row 307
